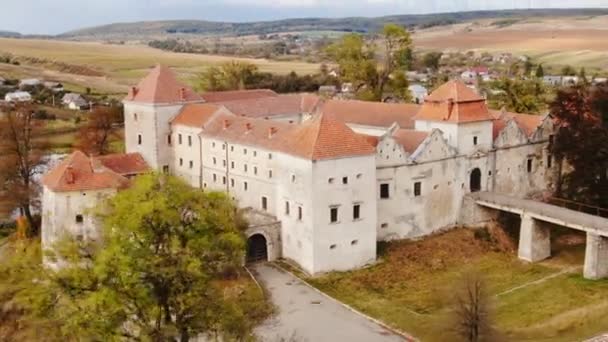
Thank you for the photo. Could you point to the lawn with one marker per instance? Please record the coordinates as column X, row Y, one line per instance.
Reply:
column 413, row 284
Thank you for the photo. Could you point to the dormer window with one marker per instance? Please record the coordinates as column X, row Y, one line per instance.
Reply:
column 475, row 140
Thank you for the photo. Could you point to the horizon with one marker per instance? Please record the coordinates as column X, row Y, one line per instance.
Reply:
column 77, row 15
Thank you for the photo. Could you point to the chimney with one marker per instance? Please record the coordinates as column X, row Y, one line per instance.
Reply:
column 271, row 132
column 450, row 106
column 134, row 91
column 182, row 94
column 69, row 175
column 226, row 123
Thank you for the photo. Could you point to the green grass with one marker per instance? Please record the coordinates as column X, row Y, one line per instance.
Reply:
column 412, row 289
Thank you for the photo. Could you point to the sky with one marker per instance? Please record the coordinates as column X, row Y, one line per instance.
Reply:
column 58, row 16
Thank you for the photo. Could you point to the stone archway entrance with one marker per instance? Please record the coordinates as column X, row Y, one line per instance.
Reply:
column 475, row 184
column 257, row 248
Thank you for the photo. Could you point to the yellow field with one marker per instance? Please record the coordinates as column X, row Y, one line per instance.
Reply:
column 580, row 42
column 122, row 65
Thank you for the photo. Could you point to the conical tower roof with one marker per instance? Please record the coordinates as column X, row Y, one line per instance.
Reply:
column 161, row 86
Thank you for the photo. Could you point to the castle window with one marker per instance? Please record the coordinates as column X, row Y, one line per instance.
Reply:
column 264, row 203
column 169, row 139
column 330, row 181
column 417, row 189
column 191, row 164
column 255, row 153
column 79, row 219
column 529, row 165
column 300, row 213
column 344, row 180
column 224, row 180
column 333, row 246
column 475, row 140
column 214, row 178
column 181, row 162
column 333, row 214
column 269, row 173
column 245, row 167
column 224, row 146
column 214, row 161
column 354, row 242
column 165, row 168
column 224, row 162
column 384, row 225
column 189, row 140
column 359, row 176
column 255, row 170
column 213, row 144
column 232, row 182
column 231, row 148
column 286, row 207
column 245, row 151
column 139, row 139
column 269, row 155
column 293, row 178
column 357, row 212
column 245, row 186
column 384, row 191
column 135, row 117
column 179, row 139
column 232, row 165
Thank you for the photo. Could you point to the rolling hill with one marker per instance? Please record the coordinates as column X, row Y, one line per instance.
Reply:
column 150, row 29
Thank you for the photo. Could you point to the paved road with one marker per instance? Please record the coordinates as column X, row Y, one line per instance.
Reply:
column 306, row 315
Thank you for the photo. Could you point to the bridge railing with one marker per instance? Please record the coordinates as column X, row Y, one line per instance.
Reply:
column 577, row 206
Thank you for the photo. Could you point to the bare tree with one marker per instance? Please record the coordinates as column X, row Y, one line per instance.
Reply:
column 472, row 311
column 94, row 137
column 21, row 154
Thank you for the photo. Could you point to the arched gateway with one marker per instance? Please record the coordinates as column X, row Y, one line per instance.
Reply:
column 475, row 184
column 257, row 248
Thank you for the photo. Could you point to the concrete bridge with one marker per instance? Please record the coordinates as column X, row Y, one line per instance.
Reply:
column 535, row 236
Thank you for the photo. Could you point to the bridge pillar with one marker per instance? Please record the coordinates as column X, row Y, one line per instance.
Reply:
column 596, row 257
column 534, row 240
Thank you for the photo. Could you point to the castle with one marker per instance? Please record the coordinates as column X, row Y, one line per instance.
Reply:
column 335, row 176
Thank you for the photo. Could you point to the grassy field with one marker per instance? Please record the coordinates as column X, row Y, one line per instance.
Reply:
column 577, row 41
column 412, row 288
column 118, row 66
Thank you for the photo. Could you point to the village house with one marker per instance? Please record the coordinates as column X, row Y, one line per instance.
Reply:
column 553, row 81
column 333, row 177
column 29, row 82
column 418, row 92
column 74, row 101
column 18, row 96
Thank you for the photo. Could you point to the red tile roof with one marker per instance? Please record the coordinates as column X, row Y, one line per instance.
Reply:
column 372, row 113
column 319, row 138
column 161, row 86
column 77, row 172
column 273, row 106
column 454, row 102
column 528, row 123
column 124, row 164
column 196, row 115
column 234, row 95
column 324, row 137
column 410, row 139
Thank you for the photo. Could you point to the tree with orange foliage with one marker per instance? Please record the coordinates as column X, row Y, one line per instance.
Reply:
column 95, row 136
column 21, row 155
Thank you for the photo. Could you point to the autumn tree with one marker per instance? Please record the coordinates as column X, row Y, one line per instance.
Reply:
column 432, row 60
column 518, row 95
column 472, row 319
column 21, row 154
column 233, row 75
column 158, row 273
column 95, row 137
column 374, row 74
column 540, row 71
column 581, row 114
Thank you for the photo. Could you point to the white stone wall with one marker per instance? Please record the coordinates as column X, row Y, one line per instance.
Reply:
column 348, row 243
column 152, row 123
column 186, row 154
column 461, row 136
column 59, row 212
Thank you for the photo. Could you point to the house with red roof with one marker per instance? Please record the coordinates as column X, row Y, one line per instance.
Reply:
column 333, row 177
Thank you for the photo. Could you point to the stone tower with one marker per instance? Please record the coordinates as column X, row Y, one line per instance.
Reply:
column 149, row 108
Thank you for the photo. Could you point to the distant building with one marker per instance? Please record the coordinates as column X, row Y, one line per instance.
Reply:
column 418, row 92
column 470, row 76
column 599, row 80
column 569, row 80
column 74, row 101
column 347, row 87
column 30, row 82
column 18, row 96
column 328, row 90
column 54, row 86
column 553, row 81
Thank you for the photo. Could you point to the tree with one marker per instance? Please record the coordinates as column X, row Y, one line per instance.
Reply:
column 21, row 155
column 94, row 137
column 581, row 113
column 520, row 96
column 472, row 314
column 431, row 60
column 156, row 274
column 231, row 75
column 360, row 65
column 568, row 71
column 540, row 71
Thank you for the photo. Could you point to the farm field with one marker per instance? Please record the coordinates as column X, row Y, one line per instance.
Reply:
column 580, row 42
column 112, row 68
column 412, row 288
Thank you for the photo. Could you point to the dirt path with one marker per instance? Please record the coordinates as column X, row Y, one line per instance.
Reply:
column 542, row 280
